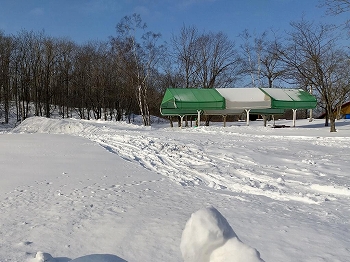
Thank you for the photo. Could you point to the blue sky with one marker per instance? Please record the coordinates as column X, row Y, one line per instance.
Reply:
column 84, row 20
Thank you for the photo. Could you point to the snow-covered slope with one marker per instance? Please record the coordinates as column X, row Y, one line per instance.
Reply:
column 73, row 188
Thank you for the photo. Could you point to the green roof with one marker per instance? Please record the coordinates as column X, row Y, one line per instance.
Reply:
column 284, row 98
column 188, row 101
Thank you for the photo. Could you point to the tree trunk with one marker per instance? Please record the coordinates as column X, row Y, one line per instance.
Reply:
column 332, row 121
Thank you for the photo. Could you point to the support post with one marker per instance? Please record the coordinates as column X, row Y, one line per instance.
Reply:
column 310, row 118
column 199, row 117
column 294, row 116
column 247, row 112
column 224, row 117
column 182, row 120
column 265, row 119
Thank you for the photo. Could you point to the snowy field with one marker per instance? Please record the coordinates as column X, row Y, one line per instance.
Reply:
column 74, row 188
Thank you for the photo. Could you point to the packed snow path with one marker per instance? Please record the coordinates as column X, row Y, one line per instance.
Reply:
column 279, row 167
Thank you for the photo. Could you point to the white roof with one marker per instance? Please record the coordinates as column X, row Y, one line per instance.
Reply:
column 245, row 98
column 281, row 94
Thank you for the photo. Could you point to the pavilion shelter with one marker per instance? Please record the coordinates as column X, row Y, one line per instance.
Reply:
column 233, row 101
column 190, row 101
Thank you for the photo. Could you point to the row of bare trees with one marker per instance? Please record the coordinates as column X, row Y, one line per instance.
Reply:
column 41, row 75
column 128, row 73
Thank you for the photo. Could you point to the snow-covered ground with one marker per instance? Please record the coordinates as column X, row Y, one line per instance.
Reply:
column 73, row 188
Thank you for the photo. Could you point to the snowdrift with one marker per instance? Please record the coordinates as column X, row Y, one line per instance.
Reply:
column 207, row 237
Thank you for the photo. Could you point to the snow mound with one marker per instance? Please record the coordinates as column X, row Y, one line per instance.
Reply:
column 42, row 257
column 208, row 237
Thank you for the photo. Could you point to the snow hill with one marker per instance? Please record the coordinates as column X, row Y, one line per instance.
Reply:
column 75, row 189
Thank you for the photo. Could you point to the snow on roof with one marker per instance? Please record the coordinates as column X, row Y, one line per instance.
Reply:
column 278, row 93
column 245, row 98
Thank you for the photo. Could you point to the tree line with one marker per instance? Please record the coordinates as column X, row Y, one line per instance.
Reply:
column 129, row 72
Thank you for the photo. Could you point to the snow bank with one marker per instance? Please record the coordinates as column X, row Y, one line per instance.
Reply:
column 208, row 237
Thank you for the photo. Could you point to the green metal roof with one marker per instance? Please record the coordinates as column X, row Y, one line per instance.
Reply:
column 186, row 101
column 284, row 98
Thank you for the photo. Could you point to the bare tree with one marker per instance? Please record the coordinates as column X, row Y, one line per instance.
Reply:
column 313, row 57
column 6, row 51
column 186, row 53
column 205, row 60
column 65, row 69
column 261, row 59
column 272, row 67
column 48, row 82
column 27, row 62
column 138, row 58
column 218, row 63
column 338, row 7
column 249, row 62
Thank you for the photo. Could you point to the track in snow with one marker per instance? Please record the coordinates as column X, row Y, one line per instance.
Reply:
column 199, row 157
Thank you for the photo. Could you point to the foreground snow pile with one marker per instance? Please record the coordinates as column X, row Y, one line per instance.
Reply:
column 208, row 237
column 42, row 257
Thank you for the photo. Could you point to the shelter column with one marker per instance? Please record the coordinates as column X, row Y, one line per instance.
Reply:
column 294, row 116
column 265, row 119
column 182, row 120
column 199, row 117
column 310, row 118
column 247, row 112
